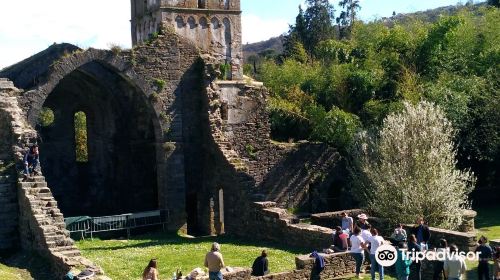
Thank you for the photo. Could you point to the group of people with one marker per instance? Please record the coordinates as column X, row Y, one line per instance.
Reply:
column 214, row 262
column 362, row 237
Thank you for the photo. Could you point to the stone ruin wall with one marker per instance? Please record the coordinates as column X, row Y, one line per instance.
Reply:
column 32, row 220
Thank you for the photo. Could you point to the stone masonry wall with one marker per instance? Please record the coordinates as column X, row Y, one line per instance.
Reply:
column 267, row 222
column 337, row 266
column 40, row 224
column 8, row 197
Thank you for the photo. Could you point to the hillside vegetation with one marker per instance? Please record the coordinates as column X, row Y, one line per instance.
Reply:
column 334, row 80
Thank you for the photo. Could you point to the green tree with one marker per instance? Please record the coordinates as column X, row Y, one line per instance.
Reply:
column 318, row 17
column 347, row 16
column 494, row 3
column 335, row 127
column 410, row 169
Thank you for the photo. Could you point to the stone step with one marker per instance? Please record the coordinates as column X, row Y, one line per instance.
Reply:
column 71, row 253
column 63, row 248
column 34, row 179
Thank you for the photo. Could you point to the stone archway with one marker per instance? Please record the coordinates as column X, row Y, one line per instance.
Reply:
column 123, row 131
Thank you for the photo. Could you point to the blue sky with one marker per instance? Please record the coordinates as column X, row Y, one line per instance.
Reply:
column 99, row 23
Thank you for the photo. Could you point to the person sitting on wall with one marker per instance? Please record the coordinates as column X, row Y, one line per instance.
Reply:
column 399, row 235
column 363, row 221
column 31, row 160
column 214, row 262
column 422, row 233
column 340, row 240
column 260, row 265
column 347, row 223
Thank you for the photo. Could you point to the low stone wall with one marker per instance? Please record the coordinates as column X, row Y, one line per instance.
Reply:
column 333, row 219
column 276, row 224
column 336, row 266
column 465, row 241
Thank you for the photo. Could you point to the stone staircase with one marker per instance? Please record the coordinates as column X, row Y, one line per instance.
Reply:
column 43, row 223
column 29, row 216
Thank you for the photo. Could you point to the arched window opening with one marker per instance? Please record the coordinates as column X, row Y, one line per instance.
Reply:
column 226, row 4
column 202, row 4
column 81, row 144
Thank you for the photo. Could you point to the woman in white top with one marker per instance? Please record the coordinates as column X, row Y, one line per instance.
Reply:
column 357, row 247
column 375, row 241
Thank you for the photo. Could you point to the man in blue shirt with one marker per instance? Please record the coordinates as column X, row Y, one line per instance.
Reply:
column 422, row 233
column 483, row 270
column 30, row 160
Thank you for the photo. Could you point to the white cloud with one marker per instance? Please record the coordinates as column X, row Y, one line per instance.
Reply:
column 256, row 29
column 29, row 26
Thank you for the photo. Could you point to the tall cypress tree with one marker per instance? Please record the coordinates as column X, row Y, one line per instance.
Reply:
column 319, row 18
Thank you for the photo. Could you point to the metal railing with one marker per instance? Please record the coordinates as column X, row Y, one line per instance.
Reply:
column 91, row 225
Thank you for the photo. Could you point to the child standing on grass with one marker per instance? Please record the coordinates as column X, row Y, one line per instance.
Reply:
column 402, row 264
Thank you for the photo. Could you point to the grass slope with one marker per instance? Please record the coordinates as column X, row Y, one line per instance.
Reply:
column 12, row 273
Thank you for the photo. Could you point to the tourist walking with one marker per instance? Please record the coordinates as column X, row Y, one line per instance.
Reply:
column 260, row 266
column 441, row 252
column 422, row 233
column 496, row 264
column 214, row 262
column 319, row 265
column 416, row 267
column 357, row 249
column 454, row 266
column 151, row 271
column 375, row 241
column 402, row 264
column 347, row 223
column 398, row 235
column 483, row 270
column 340, row 240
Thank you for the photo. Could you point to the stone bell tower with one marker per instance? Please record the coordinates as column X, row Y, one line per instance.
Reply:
column 212, row 25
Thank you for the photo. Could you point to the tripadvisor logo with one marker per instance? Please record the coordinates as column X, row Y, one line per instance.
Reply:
column 387, row 255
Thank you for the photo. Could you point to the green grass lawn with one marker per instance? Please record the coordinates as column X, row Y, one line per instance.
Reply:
column 487, row 223
column 12, row 273
column 125, row 259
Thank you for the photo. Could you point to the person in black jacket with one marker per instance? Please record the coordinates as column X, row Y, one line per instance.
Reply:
column 422, row 233
column 260, row 265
